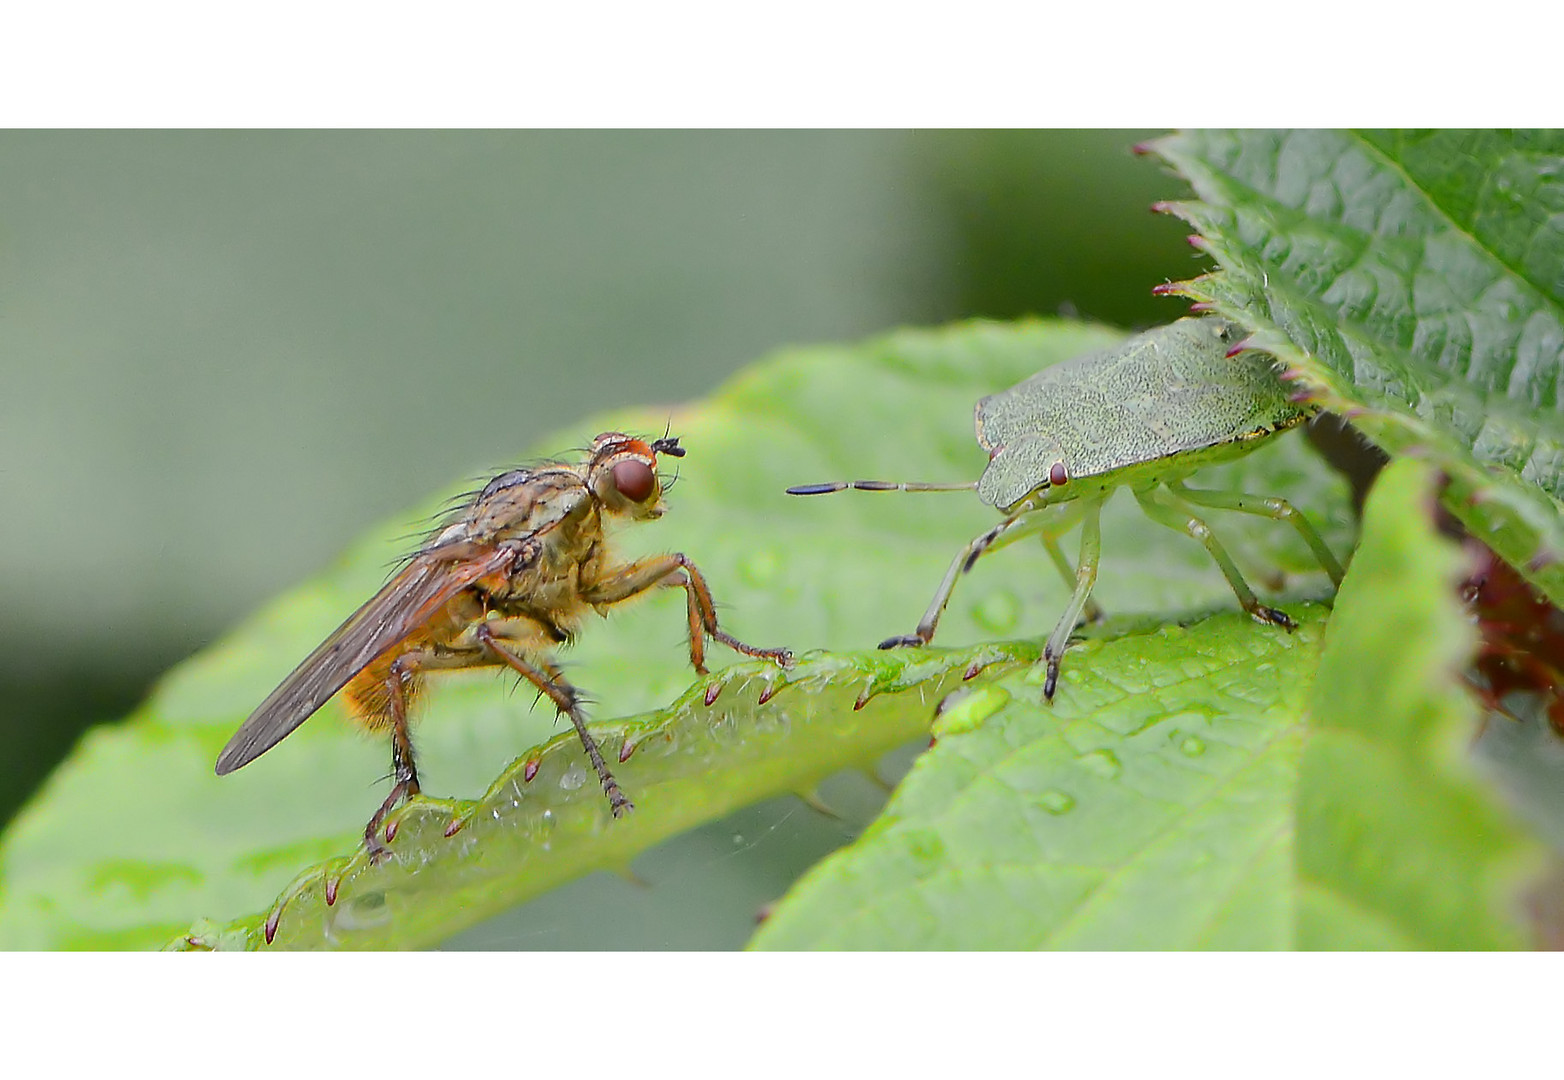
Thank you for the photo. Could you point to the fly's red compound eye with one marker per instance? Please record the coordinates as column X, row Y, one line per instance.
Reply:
column 634, row 480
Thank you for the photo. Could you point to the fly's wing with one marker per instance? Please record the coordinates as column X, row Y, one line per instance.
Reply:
column 407, row 601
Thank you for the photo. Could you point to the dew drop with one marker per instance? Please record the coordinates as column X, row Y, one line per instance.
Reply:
column 998, row 612
column 1056, row 802
column 1103, row 763
column 572, row 778
column 966, row 709
column 926, row 846
column 1192, row 746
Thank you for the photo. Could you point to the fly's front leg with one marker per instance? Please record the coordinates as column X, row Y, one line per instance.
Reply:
column 1276, row 510
column 676, row 570
column 1006, row 532
column 1166, row 508
column 567, row 699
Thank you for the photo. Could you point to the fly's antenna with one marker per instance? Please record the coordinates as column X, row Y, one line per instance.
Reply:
column 669, row 446
column 876, row 485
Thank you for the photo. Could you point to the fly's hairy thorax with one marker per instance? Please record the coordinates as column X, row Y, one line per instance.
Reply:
column 554, row 516
column 556, row 510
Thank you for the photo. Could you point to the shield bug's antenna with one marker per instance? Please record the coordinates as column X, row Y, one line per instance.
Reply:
column 876, row 485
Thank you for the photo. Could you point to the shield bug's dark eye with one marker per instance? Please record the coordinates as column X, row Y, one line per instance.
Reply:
column 1058, row 475
column 634, row 480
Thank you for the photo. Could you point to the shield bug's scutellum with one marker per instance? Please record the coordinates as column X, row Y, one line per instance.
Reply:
column 509, row 578
column 1144, row 414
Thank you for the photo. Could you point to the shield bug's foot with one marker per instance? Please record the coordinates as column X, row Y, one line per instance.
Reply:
column 1274, row 616
column 903, row 641
column 1052, row 680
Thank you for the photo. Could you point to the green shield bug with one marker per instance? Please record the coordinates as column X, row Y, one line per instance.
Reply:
column 1145, row 415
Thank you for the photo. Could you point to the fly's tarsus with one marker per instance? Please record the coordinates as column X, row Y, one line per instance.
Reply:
column 512, row 573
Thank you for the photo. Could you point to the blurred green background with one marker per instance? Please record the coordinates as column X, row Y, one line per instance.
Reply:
column 224, row 354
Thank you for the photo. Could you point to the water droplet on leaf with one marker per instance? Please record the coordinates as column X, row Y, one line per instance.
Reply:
column 1056, row 802
column 1103, row 763
column 965, row 709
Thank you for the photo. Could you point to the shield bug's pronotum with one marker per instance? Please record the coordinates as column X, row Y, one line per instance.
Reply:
column 1143, row 415
column 510, row 576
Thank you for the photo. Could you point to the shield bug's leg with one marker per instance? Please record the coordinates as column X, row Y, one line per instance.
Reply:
column 1006, row 532
column 1166, row 508
column 1085, row 578
column 568, row 701
column 1066, row 521
column 677, row 571
column 1276, row 510
column 1093, row 612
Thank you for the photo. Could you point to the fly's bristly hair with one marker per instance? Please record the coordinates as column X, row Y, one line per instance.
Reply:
column 503, row 577
column 455, row 509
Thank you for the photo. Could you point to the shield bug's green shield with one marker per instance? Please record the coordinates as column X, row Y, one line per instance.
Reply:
column 1143, row 415
column 1162, row 405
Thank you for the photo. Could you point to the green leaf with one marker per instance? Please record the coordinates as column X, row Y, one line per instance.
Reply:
column 543, row 823
column 1413, row 282
column 1146, row 808
column 1397, row 847
column 134, row 839
column 1208, row 786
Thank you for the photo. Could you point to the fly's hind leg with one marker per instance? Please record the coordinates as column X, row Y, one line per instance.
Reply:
column 568, row 701
column 403, row 769
column 1166, row 508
